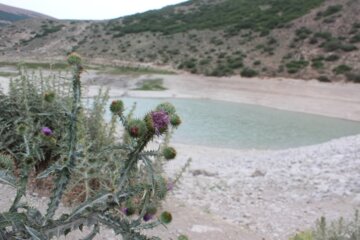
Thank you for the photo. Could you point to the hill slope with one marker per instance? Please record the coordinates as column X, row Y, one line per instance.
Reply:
column 298, row 38
column 10, row 14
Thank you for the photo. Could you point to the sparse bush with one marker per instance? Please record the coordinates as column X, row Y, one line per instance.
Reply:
column 257, row 63
column 235, row 62
column 303, row 33
column 330, row 10
column 221, row 70
column 323, row 35
column 353, row 77
column 348, row 47
column 355, row 38
column 341, row 69
column 295, row 66
column 332, row 58
column 336, row 230
column 323, row 78
column 332, row 45
column 317, row 64
column 248, row 72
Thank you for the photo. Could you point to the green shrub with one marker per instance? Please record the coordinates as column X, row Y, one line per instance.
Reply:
column 353, row 77
column 295, row 66
column 336, row 230
column 248, row 72
column 341, row 69
column 348, row 47
column 332, row 58
column 303, row 236
column 355, row 38
column 221, row 70
column 332, row 45
column 317, row 64
column 303, row 33
column 323, row 78
column 330, row 10
column 151, row 85
column 233, row 15
column 235, row 62
column 323, row 35
column 257, row 63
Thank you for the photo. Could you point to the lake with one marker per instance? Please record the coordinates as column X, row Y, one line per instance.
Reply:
column 244, row 126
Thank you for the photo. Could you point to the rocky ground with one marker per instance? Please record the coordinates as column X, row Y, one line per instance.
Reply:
column 273, row 193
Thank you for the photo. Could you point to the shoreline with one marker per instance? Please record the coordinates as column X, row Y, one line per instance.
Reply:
column 336, row 100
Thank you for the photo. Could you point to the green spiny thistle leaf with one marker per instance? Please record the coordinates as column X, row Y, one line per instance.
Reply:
column 7, row 178
column 10, row 218
column 34, row 216
column 35, row 235
column 52, row 169
column 99, row 201
column 6, row 162
column 55, row 198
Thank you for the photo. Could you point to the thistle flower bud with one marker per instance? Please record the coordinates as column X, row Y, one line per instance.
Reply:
column 175, row 120
column 166, row 107
column 169, row 153
column 46, row 131
column 117, row 107
column 136, row 128
column 166, row 217
column 74, row 59
column 49, row 97
column 21, row 128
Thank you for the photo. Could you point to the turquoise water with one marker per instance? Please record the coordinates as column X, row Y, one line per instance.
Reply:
column 243, row 126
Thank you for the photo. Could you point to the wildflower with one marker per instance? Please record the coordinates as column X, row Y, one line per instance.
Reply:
column 157, row 121
column 166, row 107
column 148, row 217
column 170, row 186
column 46, row 131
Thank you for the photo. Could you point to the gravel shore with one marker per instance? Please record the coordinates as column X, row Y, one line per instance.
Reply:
column 273, row 193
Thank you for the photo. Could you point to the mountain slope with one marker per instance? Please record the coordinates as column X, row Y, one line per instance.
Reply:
column 303, row 39
column 11, row 14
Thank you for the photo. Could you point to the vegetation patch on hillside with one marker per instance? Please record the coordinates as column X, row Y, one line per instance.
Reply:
column 259, row 15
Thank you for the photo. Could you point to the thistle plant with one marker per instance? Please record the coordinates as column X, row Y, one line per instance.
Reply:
column 131, row 182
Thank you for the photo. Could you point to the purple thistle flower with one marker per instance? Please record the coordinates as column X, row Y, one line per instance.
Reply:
column 161, row 120
column 170, row 186
column 148, row 217
column 46, row 131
